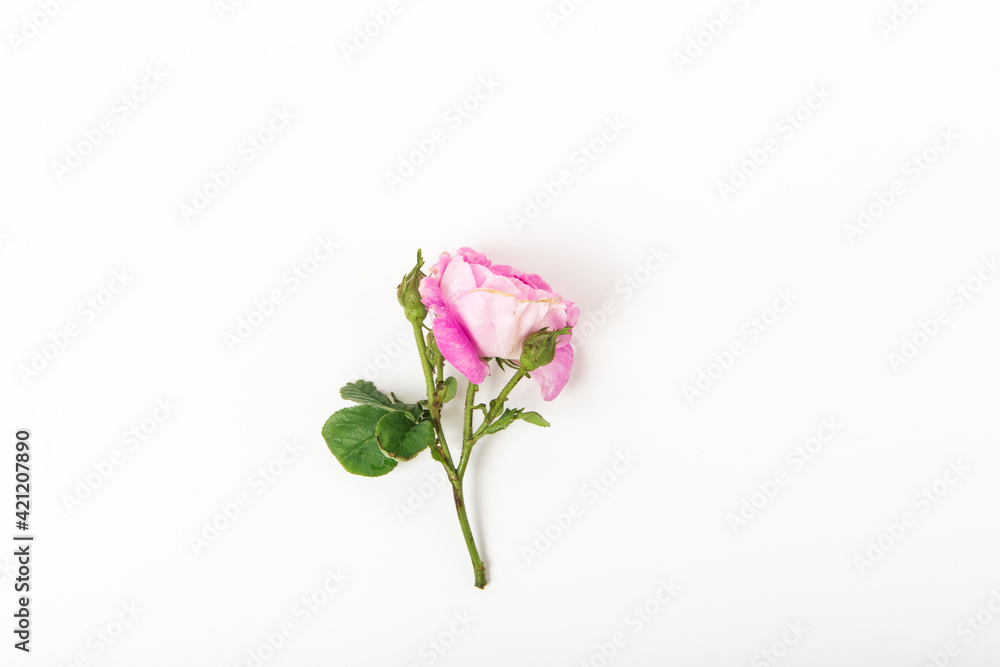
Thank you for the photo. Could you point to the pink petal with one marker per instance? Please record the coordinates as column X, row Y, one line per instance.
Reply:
column 498, row 323
column 458, row 349
column 486, row 279
column 430, row 294
column 442, row 263
column 527, row 278
column 572, row 313
column 430, row 285
column 552, row 377
column 473, row 257
column 456, row 279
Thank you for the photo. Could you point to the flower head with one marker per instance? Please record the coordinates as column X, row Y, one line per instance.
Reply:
column 484, row 310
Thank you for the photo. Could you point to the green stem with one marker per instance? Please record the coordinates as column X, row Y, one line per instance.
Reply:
column 432, row 403
column 502, row 396
column 456, row 481
column 463, row 519
column 467, row 442
column 495, row 410
column 496, row 406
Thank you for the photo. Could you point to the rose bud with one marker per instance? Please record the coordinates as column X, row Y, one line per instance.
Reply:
column 408, row 293
column 539, row 348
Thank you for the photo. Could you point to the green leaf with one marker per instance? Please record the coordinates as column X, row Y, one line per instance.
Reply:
column 415, row 410
column 364, row 392
column 510, row 415
column 350, row 435
column 503, row 421
column 412, row 409
column 401, row 439
column 533, row 418
column 450, row 389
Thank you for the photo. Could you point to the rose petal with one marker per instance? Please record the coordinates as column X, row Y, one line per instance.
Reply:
column 430, row 294
column 552, row 377
column 473, row 257
column 456, row 347
column 497, row 323
column 527, row 278
column 456, row 279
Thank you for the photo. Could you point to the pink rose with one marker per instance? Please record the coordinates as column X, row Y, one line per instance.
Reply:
column 483, row 310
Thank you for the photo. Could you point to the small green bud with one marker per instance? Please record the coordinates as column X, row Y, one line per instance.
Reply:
column 408, row 293
column 539, row 348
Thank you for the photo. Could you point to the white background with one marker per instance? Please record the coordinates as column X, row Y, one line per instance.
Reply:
column 192, row 278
